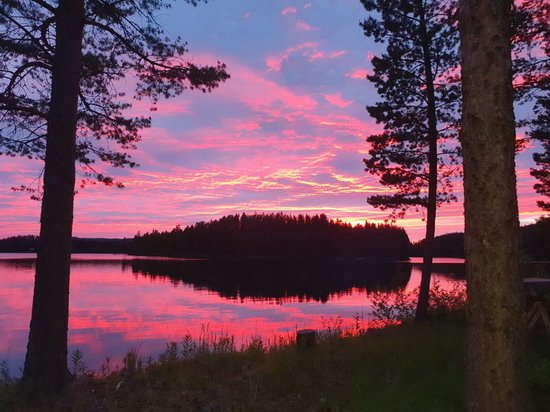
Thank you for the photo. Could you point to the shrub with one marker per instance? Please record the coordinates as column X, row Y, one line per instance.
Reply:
column 391, row 308
column 78, row 365
column 5, row 377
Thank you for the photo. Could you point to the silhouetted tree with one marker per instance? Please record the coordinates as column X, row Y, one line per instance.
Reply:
column 531, row 65
column 417, row 80
column 60, row 62
column 496, row 330
column 540, row 131
column 542, row 159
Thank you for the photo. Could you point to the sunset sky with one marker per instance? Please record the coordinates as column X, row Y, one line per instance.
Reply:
column 285, row 133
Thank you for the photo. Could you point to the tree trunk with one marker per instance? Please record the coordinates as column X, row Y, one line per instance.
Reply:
column 45, row 368
column 424, row 293
column 495, row 296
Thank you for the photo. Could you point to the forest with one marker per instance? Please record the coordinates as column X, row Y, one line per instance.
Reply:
column 285, row 235
column 29, row 243
column 534, row 242
column 276, row 235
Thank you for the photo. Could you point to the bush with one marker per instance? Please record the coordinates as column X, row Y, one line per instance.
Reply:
column 391, row 308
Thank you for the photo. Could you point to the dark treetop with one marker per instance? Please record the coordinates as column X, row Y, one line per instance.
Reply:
column 121, row 38
column 276, row 235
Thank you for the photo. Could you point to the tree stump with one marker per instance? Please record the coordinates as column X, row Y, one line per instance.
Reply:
column 305, row 340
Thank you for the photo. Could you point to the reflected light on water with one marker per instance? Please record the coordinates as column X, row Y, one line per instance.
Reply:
column 117, row 304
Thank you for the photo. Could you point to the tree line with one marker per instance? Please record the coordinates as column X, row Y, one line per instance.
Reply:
column 275, row 235
column 534, row 242
column 29, row 243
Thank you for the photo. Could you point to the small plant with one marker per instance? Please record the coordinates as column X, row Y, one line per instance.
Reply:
column 445, row 302
column 225, row 343
column 131, row 362
column 150, row 361
column 280, row 341
column 188, row 347
column 170, row 354
column 391, row 308
column 78, row 365
column 105, row 368
column 356, row 328
column 332, row 328
column 4, row 372
column 256, row 345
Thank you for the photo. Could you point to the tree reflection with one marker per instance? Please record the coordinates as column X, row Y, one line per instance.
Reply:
column 279, row 280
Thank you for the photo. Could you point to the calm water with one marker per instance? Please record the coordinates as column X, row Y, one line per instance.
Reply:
column 119, row 302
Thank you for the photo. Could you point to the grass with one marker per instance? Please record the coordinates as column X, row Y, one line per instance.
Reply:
column 397, row 368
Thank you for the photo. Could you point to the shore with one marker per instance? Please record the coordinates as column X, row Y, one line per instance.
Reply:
column 396, row 368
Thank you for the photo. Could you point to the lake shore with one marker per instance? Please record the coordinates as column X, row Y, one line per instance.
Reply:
column 397, row 368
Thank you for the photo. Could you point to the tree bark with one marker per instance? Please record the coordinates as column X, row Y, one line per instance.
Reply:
column 496, row 330
column 431, row 207
column 45, row 369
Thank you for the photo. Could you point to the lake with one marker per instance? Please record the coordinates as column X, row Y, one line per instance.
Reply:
column 120, row 302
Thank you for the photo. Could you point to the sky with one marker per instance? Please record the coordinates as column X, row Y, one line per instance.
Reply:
column 285, row 134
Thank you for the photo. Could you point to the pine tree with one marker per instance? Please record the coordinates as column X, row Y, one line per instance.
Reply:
column 531, row 65
column 60, row 62
column 417, row 81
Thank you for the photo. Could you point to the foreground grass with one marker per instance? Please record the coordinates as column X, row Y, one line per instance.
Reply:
column 404, row 368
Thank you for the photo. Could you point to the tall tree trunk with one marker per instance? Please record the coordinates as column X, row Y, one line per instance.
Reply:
column 424, row 293
column 496, row 330
column 45, row 368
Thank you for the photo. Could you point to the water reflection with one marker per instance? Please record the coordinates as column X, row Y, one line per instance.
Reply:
column 277, row 280
column 117, row 302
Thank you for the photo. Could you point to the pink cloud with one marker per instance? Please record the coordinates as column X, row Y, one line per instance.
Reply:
column 289, row 10
column 318, row 54
column 277, row 154
column 275, row 62
column 337, row 100
column 358, row 74
column 309, row 50
column 303, row 26
column 264, row 95
column 241, row 125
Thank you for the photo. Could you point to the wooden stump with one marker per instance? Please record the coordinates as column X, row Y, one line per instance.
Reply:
column 305, row 340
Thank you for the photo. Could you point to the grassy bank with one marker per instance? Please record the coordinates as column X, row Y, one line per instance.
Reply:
column 400, row 368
